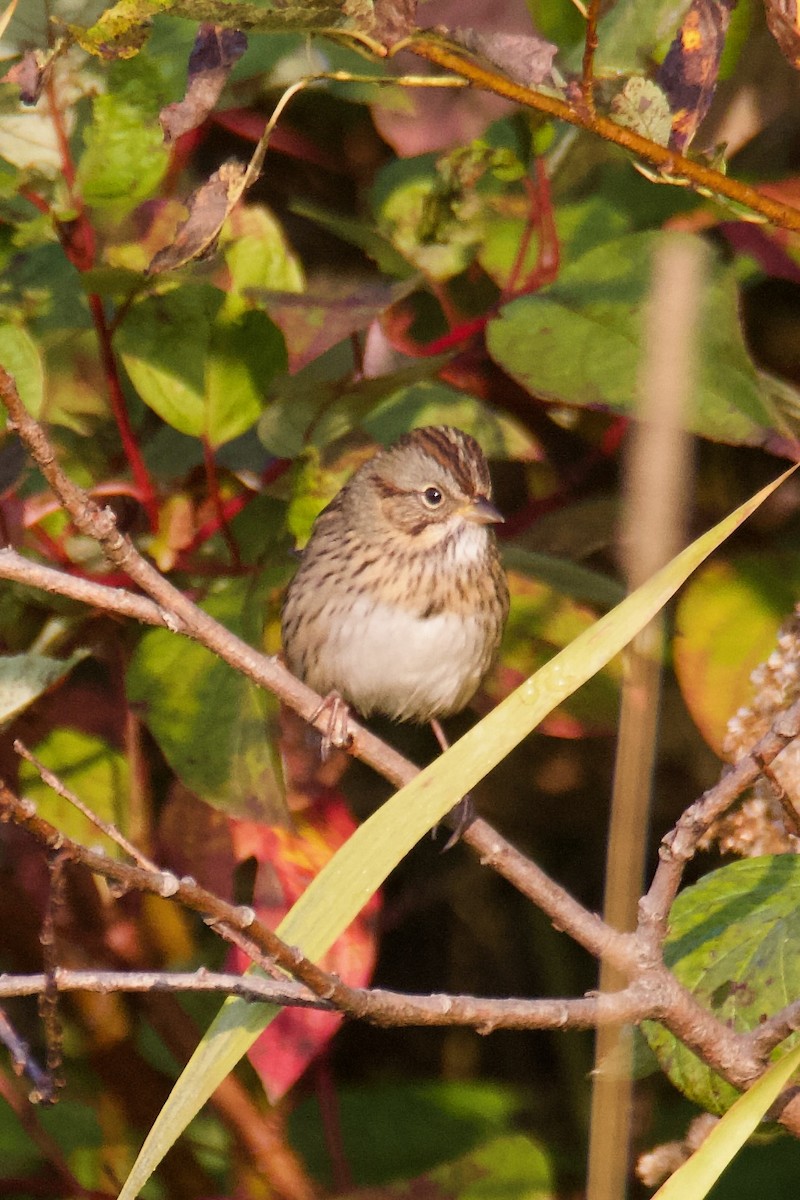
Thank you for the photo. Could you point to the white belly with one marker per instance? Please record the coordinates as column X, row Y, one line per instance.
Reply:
column 400, row 665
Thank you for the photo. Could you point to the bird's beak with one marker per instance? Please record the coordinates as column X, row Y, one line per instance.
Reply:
column 483, row 512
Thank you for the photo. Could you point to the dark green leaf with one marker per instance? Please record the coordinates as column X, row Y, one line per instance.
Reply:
column 731, row 943
column 214, row 727
column 569, row 578
column 412, row 1127
column 579, row 342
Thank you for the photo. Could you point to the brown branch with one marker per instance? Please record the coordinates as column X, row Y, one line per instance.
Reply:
column 18, row 569
column 589, row 51
column 771, row 1032
column 654, row 992
column 48, row 997
column 240, row 921
column 668, row 161
column 380, row 1006
column 680, row 844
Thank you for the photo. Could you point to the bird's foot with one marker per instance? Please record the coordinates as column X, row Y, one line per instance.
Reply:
column 462, row 814
column 336, row 733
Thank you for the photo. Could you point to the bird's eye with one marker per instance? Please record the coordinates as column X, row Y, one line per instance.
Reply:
column 432, row 497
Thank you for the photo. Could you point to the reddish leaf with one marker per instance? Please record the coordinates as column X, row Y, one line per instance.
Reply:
column 287, row 862
column 250, row 125
column 314, row 322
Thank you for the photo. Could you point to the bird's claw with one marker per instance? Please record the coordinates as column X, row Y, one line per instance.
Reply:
column 459, row 820
column 336, row 733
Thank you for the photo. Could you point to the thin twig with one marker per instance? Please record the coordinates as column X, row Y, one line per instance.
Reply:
column 680, row 844
column 18, row 569
column 379, row 1005
column 589, row 51
column 48, row 997
column 662, row 157
column 22, row 1060
column 62, row 790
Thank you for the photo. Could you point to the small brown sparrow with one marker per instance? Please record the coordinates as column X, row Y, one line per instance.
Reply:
column 400, row 600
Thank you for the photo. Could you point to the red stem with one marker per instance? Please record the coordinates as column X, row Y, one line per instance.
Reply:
column 57, row 117
column 78, row 239
column 328, row 1102
column 119, row 408
column 212, row 482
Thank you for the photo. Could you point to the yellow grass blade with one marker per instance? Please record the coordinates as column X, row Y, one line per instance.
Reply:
column 695, row 1178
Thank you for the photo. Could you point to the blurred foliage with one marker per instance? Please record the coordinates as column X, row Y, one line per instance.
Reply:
column 408, row 256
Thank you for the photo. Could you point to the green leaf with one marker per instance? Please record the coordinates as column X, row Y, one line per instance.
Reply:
column 579, row 342
column 580, row 227
column 360, row 867
column 164, row 343
column 245, row 351
column 214, row 727
column 306, row 411
column 125, row 157
column 200, row 360
column 414, row 1127
column 97, row 774
column 644, row 107
column 256, row 252
column 713, row 663
column 24, row 677
column 508, row 1167
column 432, row 218
column 315, row 485
column 358, row 233
column 569, row 578
column 123, row 27
column 727, row 943
column 20, row 356
column 629, row 35
column 429, row 402
column 694, row 1179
